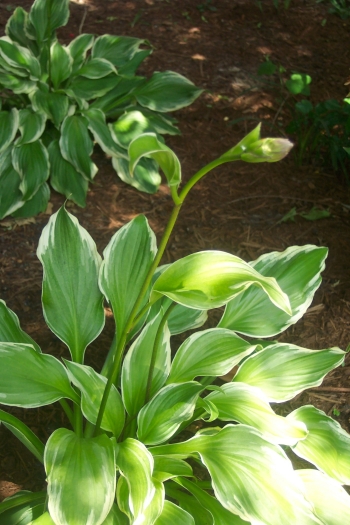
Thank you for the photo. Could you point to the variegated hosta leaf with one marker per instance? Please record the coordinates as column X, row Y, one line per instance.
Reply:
column 78, row 48
column 81, row 478
column 54, row 105
column 191, row 505
column 250, row 477
column 167, row 91
column 145, row 178
column 46, row 17
column 24, row 434
column 72, row 301
column 11, row 199
column 136, row 466
column 92, row 386
column 19, row 57
column 76, row 145
column 117, row 49
column 148, row 145
column 37, row 204
column 162, row 416
column 9, row 122
column 30, row 379
column 213, row 352
column 65, row 178
column 136, row 366
column 297, row 270
column 283, row 370
column 31, row 161
column 44, row 519
column 23, row 513
column 15, row 27
column 330, row 501
column 98, row 127
column 10, row 330
column 327, row 444
column 182, row 318
column 89, row 88
column 210, row 279
column 248, row 405
column 171, row 513
column 61, row 64
column 127, row 260
column 16, row 84
column 31, row 126
column 97, row 68
column 168, row 468
column 116, row 517
column 220, row 515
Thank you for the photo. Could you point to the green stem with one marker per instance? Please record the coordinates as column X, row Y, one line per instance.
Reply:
column 110, row 356
column 24, row 434
column 178, row 200
column 68, row 411
column 78, row 421
column 156, row 345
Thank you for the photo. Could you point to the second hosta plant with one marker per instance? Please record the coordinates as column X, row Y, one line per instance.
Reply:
column 154, row 437
column 57, row 100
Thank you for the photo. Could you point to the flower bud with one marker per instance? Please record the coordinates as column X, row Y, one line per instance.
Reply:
column 267, row 150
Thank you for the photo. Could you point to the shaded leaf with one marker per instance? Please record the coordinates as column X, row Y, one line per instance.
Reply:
column 10, row 330
column 76, row 145
column 31, row 161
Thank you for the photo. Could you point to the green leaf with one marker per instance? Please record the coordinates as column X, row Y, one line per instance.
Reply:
column 24, row 513
column 35, row 205
column 327, row 445
column 9, row 123
column 283, row 370
column 92, row 386
column 19, row 57
column 220, row 515
column 182, row 319
column 253, row 478
column 315, row 214
column 11, row 197
column 242, row 146
column 15, row 27
column 119, row 50
column 130, row 67
column 97, row 68
column 89, row 88
column 189, row 503
column 213, row 352
column 81, row 478
column 101, row 132
column 54, row 105
column 135, row 464
column 30, row 379
column 61, row 64
column 129, row 126
column 127, row 260
column 298, row 83
column 210, row 279
column 76, row 145
column 162, row 416
column 46, row 17
column 171, row 513
column 146, row 175
column 136, row 366
column 116, row 517
column 31, row 126
column 167, row 91
column 72, row 301
column 167, row 468
column 31, row 161
column 78, row 49
column 10, row 330
column 120, row 96
column 44, row 519
column 15, row 84
column 248, row 405
column 65, row 178
column 24, row 434
column 148, row 145
column 297, row 270
column 267, row 68
column 330, row 500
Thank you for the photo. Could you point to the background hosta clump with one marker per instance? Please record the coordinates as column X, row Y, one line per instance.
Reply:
column 56, row 100
column 138, row 427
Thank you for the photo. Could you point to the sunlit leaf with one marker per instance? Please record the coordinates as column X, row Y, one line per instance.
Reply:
column 167, row 468
column 327, row 444
column 297, row 271
column 283, row 370
column 72, row 301
column 145, row 178
column 81, row 478
column 171, row 513
column 213, row 352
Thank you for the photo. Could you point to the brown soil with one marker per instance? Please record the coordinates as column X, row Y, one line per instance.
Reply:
column 239, row 207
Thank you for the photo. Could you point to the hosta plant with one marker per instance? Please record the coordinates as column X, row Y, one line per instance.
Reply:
column 57, row 100
column 156, row 437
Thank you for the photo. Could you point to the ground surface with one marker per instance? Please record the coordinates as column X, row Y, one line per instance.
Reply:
column 239, row 207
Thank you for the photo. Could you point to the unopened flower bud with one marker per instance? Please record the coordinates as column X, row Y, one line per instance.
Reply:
column 267, row 150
